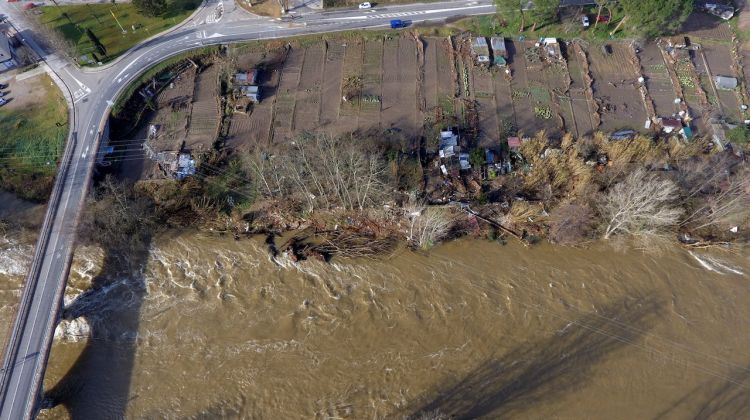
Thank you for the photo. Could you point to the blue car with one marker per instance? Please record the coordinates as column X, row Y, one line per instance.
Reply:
column 397, row 23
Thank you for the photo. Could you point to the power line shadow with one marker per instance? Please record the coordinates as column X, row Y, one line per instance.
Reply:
column 507, row 386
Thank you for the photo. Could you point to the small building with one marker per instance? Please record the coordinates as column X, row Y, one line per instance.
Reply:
column 489, row 156
column 687, row 133
column 499, row 51
column 480, row 49
column 250, row 92
column 5, row 52
column 448, row 138
column 246, row 78
column 514, row 143
column 463, row 161
column 448, row 152
column 448, row 144
column 723, row 11
column 725, row 82
column 551, row 48
column 622, row 135
column 179, row 165
column 670, row 125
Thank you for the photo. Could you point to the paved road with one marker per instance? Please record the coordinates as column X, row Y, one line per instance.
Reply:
column 91, row 93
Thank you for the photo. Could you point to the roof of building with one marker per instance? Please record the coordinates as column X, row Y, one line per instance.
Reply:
column 248, row 77
column 498, row 43
column 671, row 122
column 4, row 48
column 448, row 138
column 514, row 142
column 479, row 42
column 724, row 82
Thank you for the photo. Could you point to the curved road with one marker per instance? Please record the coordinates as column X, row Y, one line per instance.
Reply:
column 91, row 93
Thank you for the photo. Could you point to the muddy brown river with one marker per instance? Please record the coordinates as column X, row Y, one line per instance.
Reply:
column 199, row 326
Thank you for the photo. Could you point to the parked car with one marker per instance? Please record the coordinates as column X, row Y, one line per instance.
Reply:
column 365, row 5
column 602, row 19
column 585, row 21
column 3, row 86
column 3, row 101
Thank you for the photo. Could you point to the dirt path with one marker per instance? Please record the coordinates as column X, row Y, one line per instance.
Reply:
column 744, row 9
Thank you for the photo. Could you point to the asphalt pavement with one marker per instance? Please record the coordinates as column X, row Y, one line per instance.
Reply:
column 92, row 92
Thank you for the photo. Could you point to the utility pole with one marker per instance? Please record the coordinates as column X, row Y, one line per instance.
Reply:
column 599, row 12
column 618, row 26
column 118, row 22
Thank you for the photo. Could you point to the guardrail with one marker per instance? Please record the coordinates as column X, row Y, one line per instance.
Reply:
column 11, row 351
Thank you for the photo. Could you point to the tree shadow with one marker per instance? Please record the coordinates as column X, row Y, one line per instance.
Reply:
column 544, row 370
column 98, row 384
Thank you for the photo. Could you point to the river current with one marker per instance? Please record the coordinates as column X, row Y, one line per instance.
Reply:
column 202, row 326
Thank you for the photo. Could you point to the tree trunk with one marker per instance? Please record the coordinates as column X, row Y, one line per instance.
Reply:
column 598, row 14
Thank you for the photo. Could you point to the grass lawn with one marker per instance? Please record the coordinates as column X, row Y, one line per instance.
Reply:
column 73, row 20
column 34, row 131
column 568, row 28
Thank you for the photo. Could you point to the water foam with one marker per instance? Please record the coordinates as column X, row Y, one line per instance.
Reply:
column 14, row 257
column 715, row 265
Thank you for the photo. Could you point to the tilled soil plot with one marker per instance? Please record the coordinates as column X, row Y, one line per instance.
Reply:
column 399, row 86
column 704, row 78
column 620, row 103
column 205, row 115
column 173, row 111
column 523, row 104
column 372, row 78
column 484, row 93
column 705, row 26
column 719, row 60
column 307, row 103
column 430, row 79
column 691, row 92
column 284, row 100
column 254, row 127
column 353, row 68
column 658, row 82
column 557, row 80
column 746, row 61
column 332, row 77
column 506, row 118
column 541, row 90
column 580, row 106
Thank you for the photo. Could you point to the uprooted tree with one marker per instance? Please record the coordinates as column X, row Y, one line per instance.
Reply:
column 640, row 205
column 427, row 225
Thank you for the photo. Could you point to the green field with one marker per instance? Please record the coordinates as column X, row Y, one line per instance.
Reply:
column 73, row 20
column 33, row 142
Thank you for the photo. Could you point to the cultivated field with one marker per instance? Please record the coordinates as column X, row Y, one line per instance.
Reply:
column 402, row 83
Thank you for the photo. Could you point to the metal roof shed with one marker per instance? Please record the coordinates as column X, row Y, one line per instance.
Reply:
column 498, row 47
column 725, row 83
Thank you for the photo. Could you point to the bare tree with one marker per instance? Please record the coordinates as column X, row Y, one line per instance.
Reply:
column 727, row 204
column 427, row 225
column 571, row 223
column 640, row 205
column 322, row 171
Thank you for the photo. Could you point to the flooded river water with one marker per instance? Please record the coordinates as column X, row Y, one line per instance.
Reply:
column 199, row 326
